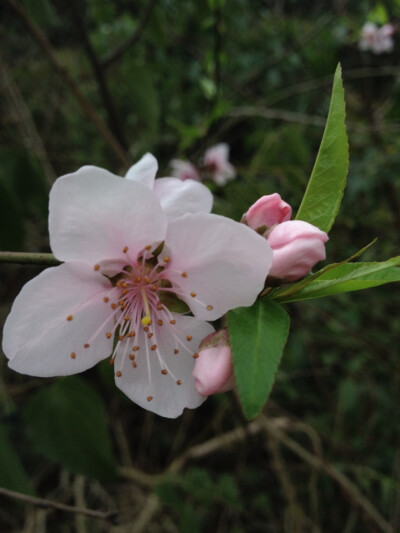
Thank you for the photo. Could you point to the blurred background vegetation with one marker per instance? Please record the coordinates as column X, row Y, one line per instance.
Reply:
column 102, row 82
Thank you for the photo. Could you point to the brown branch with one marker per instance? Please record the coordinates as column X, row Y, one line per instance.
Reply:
column 27, row 258
column 131, row 40
column 45, row 504
column 86, row 106
column 348, row 487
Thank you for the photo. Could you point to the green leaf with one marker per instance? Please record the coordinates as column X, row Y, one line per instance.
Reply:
column 68, row 425
column 324, row 192
column 12, row 473
column 258, row 335
column 348, row 277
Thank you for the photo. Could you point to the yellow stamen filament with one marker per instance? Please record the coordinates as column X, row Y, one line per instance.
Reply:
column 146, row 320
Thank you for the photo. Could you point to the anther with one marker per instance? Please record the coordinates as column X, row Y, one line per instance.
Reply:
column 160, row 322
column 111, row 361
column 149, row 398
column 210, row 307
column 146, row 329
column 154, row 347
column 193, row 294
column 179, row 382
column 113, row 306
column 147, row 279
column 176, row 350
column 131, row 357
column 149, row 335
column 73, row 355
column 125, row 249
column 195, row 355
column 189, row 337
column 96, row 267
column 70, row 317
column 121, row 337
column 135, row 348
column 166, row 259
column 127, row 318
column 118, row 374
column 134, row 364
column 131, row 334
column 164, row 372
column 106, row 299
column 86, row 345
column 148, row 247
column 184, row 274
column 172, row 321
column 153, row 287
column 108, row 335
column 138, row 279
column 159, row 307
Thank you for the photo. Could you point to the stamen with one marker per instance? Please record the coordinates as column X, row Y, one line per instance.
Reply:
column 108, row 335
column 125, row 249
column 73, row 355
column 210, row 307
column 106, row 299
column 86, row 345
column 149, row 398
column 195, row 355
column 96, row 267
column 189, row 337
column 193, row 294
column 146, row 320
column 179, row 382
column 184, row 274
column 69, row 318
column 164, row 372
column 118, row 374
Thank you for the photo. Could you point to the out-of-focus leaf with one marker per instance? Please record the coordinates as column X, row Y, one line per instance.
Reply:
column 68, row 425
column 324, row 192
column 41, row 12
column 11, row 225
column 12, row 473
column 258, row 335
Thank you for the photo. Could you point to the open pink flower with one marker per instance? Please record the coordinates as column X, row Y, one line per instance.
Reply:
column 176, row 197
column 184, row 170
column 124, row 258
column 376, row 40
column 216, row 162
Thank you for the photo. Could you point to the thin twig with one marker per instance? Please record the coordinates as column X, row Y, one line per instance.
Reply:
column 43, row 503
column 27, row 258
column 131, row 40
column 98, row 72
column 86, row 106
column 348, row 487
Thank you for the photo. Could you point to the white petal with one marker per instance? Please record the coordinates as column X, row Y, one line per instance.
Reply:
column 39, row 339
column 144, row 171
column 224, row 263
column 179, row 197
column 168, row 398
column 94, row 215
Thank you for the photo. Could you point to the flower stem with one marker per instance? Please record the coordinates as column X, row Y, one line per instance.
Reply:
column 27, row 258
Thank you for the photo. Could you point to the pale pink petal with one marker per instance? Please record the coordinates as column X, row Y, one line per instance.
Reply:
column 94, row 216
column 179, row 197
column 217, row 155
column 142, row 379
column 144, row 171
column 54, row 316
column 216, row 263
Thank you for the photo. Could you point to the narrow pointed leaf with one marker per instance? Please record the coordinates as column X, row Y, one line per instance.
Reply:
column 347, row 278
column 258, row 335
column 324, row 192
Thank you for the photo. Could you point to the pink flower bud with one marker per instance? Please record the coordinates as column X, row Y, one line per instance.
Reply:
column 266, row 212
column 297, row 246
column 213, row 370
